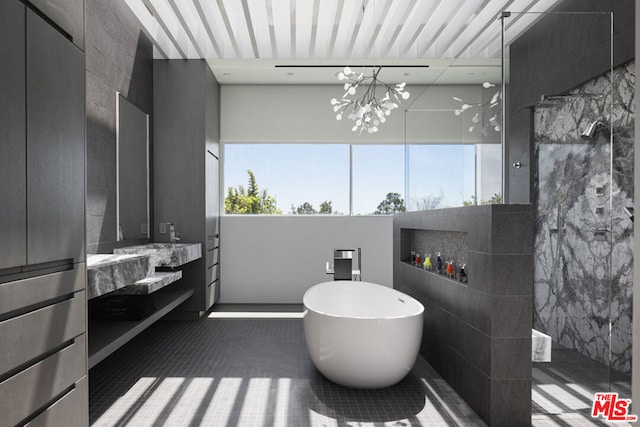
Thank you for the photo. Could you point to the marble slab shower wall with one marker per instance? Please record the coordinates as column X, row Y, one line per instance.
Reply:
column 477, row 334
column 578, row 285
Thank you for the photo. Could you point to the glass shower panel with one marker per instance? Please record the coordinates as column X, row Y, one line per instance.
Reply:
column 453, row 155
column 579, row 118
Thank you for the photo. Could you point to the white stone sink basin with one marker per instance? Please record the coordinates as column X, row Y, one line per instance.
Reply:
column 108, row 272
column 165, row 254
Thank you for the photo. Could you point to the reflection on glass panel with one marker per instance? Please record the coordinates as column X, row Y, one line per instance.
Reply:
column 440, row 175
column 378, row 179
column 453, row 147
column 286, row 179
column 488, row 174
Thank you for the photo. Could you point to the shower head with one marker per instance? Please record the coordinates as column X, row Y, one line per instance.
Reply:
column 590, row 131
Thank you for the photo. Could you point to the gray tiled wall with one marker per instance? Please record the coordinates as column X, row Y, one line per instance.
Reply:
column 478, row 335
column 118, row 58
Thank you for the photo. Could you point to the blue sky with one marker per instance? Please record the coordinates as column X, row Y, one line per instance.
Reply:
column 298, row 173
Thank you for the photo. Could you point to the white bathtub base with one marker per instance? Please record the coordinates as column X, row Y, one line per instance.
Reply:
column 355, row 349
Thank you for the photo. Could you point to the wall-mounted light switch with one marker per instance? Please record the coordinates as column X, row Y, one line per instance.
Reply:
column 600, row 210
column 599, row 191
column 162, row 228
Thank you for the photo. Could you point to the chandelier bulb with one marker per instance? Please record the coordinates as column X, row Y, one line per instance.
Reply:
column 367, row 111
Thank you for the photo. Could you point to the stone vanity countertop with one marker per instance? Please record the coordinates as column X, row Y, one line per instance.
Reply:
column 150, row 284
column 166, row 254
column 95, row 261
column 108, row 272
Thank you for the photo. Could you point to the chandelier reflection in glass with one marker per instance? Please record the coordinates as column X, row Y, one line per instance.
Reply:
column 483, row 110
column 367, row 110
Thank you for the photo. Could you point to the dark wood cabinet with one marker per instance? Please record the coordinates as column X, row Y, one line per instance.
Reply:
column 42, row 220
column 186, row 132
column 13, row 226
column 55, row 145
column 67, row 15
column 42, row 93
column 212, row 196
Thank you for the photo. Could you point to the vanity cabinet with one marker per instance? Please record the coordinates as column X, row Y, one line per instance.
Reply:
column 43, row 363
column 186, row 128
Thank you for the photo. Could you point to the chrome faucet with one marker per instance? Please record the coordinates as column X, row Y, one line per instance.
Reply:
column 173, row 236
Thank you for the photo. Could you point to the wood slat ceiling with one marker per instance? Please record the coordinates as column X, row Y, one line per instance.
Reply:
column 244, row 39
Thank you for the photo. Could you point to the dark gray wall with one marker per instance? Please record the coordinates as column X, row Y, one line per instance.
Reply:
column 557, row 54
column 477, row 335
column 119, row 57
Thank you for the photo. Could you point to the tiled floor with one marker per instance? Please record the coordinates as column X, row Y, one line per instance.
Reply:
column 563, row 390
column 247, row 367
column 252, row 372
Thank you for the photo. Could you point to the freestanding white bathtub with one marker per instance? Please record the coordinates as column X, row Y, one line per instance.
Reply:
column 361, row 334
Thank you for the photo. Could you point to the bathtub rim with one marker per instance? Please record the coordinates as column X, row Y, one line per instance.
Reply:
column 417, row 313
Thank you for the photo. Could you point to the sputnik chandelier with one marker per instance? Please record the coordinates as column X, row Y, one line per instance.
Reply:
column 367, row 110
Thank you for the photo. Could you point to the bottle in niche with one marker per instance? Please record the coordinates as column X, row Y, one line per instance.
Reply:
column 427, row 262
column 462, row 274
column 438, row 263
column 450, row 272
column 418, row 260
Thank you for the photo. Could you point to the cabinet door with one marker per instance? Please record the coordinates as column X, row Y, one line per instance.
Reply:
column 212, row 188
column 55, row 145
column 67, row 14
column 13, row 174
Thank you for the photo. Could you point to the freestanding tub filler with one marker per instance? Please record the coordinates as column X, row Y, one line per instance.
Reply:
column 361, row 334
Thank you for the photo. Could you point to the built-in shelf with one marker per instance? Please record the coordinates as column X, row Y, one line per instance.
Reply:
column 434, row 273
column 105, row 337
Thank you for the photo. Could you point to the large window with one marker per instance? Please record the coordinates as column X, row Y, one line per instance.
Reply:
column 449, row 175
column 359, row 179
column 440, row 176
column 286, row 178
column 378, row 179
column 320, row 179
